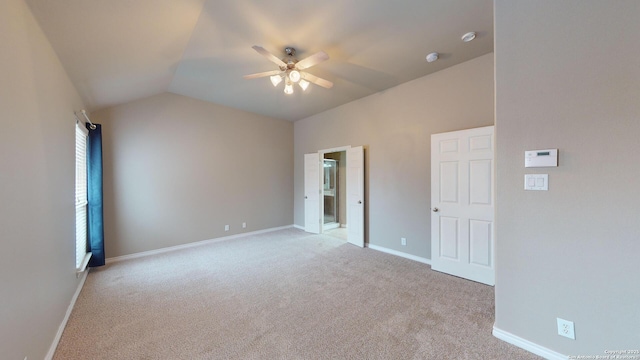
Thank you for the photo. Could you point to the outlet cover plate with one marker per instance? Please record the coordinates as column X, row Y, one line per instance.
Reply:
column 566, row 329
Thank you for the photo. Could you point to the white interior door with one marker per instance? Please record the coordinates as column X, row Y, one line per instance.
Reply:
column 355, row 195
column 462, row 204
column 312, row 190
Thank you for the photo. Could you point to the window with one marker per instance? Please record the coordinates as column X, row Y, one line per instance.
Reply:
column 82, row 255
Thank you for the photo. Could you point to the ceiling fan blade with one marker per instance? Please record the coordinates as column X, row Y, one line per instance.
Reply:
column 312, row 60
column 269, row 56
column 262, row 74
column 318, row 81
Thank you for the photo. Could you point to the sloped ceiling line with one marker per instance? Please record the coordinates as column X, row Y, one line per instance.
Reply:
column 118, row 51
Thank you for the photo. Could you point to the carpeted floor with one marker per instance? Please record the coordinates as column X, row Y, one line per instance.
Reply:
column 281, row 295
column 340, row 233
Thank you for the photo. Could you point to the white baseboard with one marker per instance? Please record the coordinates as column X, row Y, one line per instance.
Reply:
column 302, row 227
column 193, row 244
column 56, row 339
column 400, row 253
column 326, row 227
column 527, row 345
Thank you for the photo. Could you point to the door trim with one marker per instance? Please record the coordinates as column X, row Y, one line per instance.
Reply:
column 321, row 155
column 336, row 149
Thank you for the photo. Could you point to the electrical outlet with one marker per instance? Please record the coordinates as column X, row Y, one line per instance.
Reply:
column 244, row 225
column 226, row 228
column 403, row 241
column 565, row 328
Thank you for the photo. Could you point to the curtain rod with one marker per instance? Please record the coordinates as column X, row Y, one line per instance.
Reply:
column 91, row 125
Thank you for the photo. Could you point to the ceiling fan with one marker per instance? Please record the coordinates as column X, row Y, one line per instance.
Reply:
column 290, row 69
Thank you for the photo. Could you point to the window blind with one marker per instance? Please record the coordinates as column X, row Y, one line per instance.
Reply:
column 81, row 197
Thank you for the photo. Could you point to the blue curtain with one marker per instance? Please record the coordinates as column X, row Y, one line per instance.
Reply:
column 95, row 223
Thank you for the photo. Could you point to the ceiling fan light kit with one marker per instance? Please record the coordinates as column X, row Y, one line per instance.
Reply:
column 290, row 70
column 276, row 79
column 288, row 88
column 294, row 75
column 304, row 84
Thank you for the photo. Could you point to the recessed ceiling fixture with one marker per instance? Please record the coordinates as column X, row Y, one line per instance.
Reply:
column 469, row 36
column 433, row 57
column 290, row 70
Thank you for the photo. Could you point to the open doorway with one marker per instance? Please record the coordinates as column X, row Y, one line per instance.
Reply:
column 353, row 193
column 334, row 221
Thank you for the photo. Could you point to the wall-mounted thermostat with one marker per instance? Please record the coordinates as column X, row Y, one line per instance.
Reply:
column 541, row 158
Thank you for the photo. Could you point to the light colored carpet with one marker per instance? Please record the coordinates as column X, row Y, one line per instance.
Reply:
column 281, row 295
column 340, row 233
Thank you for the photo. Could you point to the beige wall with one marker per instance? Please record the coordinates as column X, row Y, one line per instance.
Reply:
column 568, row 77
column 177, row 170
column 37, row 179
column 395, row 128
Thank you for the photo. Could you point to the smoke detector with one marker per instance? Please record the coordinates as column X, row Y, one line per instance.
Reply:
column 469, row 36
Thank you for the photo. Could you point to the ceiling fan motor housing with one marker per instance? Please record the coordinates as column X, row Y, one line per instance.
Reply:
column 291, row 61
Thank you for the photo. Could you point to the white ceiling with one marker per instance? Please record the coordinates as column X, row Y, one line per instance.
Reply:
column 117, row 51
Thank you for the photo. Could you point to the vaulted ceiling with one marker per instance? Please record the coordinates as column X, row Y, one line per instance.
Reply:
column 117, row 51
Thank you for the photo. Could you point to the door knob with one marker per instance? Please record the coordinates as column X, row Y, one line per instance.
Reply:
column 306, row 197
column 436, row 209
column 359, row 201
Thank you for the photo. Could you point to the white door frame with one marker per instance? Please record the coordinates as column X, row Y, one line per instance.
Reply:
column 360, row 239
column 321, row 154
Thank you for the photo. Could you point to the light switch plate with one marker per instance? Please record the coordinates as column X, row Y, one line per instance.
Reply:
column 536, row 182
